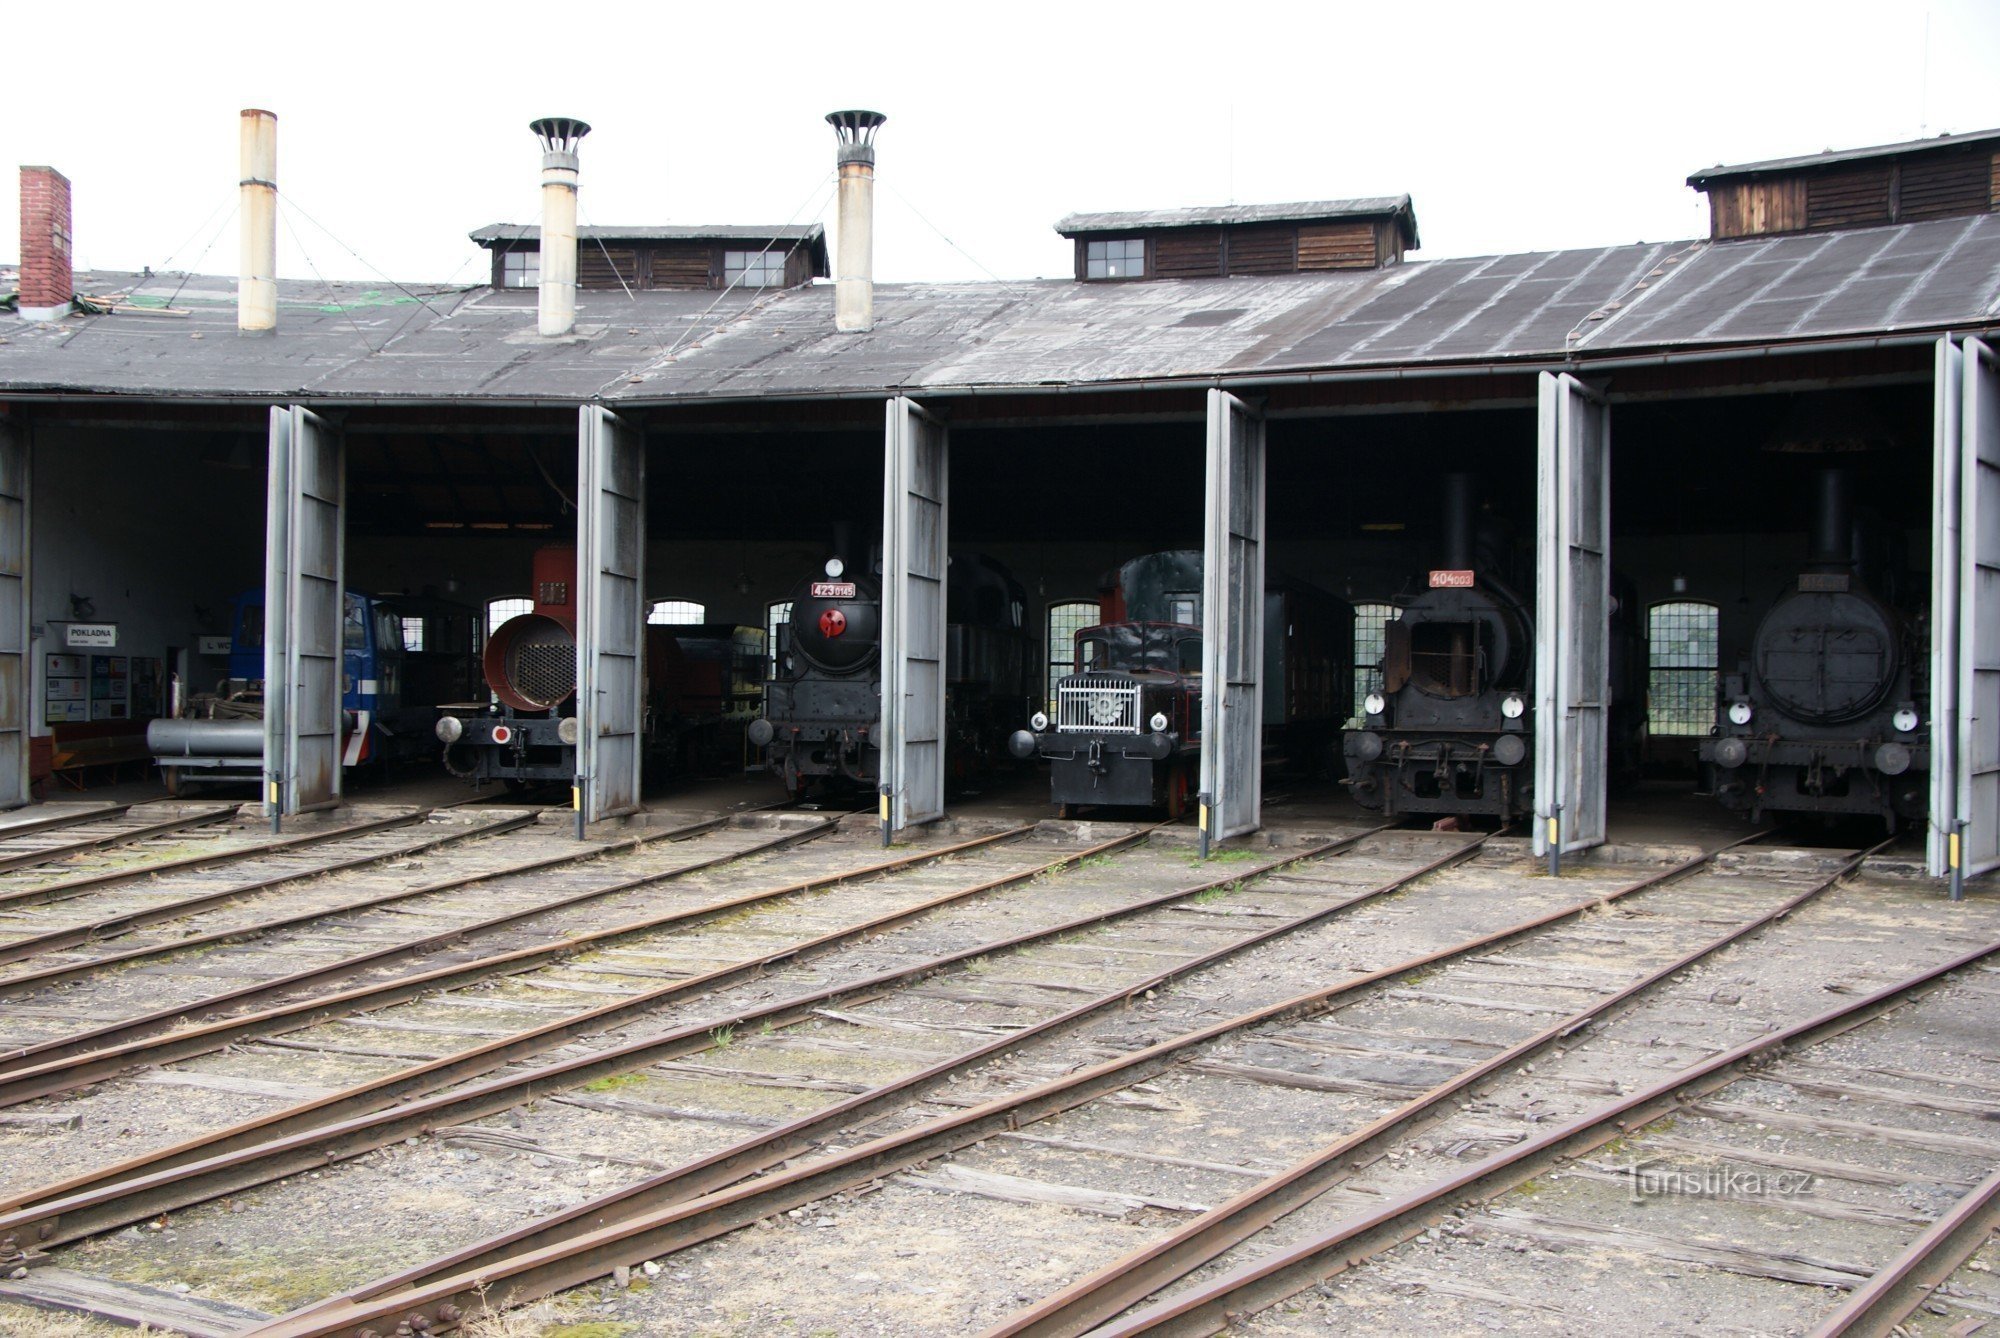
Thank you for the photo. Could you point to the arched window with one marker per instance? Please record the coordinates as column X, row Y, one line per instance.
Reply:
column 777, row 617
column 1681, row 667
column 1065, row 621
column 1369, row 622
column 500, row 610
column 676, row 612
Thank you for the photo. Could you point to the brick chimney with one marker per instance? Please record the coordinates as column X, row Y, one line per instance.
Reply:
column 46, row 287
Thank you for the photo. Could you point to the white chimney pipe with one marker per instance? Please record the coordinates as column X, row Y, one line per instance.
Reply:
column 557, row 305
column 257, row 271
column 854, row 262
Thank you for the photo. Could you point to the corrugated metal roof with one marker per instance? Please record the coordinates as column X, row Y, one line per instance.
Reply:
column 359, row 342
column 699, row 232
column 1700, row 180
column 1375, row 206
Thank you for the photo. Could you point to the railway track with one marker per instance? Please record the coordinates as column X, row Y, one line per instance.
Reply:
column 46, row 840
column 1303, row 898
column 1674, row 908
column 960, row 913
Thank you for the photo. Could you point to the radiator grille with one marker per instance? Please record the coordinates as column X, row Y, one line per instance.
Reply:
column 1098, row 703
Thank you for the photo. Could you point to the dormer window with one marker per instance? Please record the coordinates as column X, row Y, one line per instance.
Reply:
column 754, row 269
column 520, row 269
column 1116, row 258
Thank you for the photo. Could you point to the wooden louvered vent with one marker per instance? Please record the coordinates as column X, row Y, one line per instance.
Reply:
column 1342, row 246
column 1190, row 253
column 595, row 266
column 1855, row 199
column 683, row 267
column 1943, row 187
column 1267, row 250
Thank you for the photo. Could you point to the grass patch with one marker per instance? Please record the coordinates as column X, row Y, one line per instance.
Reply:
column 1208, row 894
column 612, row 1082
column 596, row 1328
column 1093, row 861
column 722, row 1036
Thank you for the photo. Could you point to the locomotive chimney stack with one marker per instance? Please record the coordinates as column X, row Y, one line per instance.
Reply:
column 257, row 268
column 854, row 263
column 1833, row 520
column 556, row 307
column 1458, row 518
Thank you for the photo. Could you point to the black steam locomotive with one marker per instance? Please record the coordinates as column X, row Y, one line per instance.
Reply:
column 1452, row 729
column 823, row 706
column 1830, row 710
column 1127, row 728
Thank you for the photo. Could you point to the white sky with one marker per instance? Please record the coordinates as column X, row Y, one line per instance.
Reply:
column 402, row 127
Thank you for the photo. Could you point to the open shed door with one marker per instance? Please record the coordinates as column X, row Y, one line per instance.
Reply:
column 916, row 514
column 14, row 676
column 1232, row 638
column 304, row 555
column 1572, row 615
column 1946, row 505
column 1969, row 622
column 611, row 612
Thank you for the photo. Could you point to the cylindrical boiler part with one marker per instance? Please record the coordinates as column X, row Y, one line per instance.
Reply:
column 1833, row 519
column 205, row 738
column 1458, row 518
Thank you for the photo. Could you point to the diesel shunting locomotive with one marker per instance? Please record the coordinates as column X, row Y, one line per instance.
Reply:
column 823, row 706
column 1829, row 711
column 1127, row 728
column 702, row 684
column 1451, row 731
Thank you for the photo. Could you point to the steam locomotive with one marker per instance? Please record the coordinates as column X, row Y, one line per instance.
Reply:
column 1127, row 728
column 823, row 706
column 1829, row 712
column 702, row 684
column 1452, row 729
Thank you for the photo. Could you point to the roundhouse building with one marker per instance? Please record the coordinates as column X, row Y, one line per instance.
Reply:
column 1280, row 385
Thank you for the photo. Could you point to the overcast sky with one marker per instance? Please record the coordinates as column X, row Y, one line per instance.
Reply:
column 403, row 126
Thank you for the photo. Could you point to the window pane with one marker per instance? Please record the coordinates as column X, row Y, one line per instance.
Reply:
column 1095, row 250
column 776, row 617
column 1095, row 269
column 500, row 610
column 1065, row 621
column 413, row 634
column 1682, row 652
column 1369, row 622
column 677, row 612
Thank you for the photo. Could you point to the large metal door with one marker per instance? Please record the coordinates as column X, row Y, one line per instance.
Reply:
column 1977, row 758
column 1572, row 615
column 611, row 612
column 14, row 677
column 1232, row 587
column 304, row 554
column 1946, row 555
column 916, row 516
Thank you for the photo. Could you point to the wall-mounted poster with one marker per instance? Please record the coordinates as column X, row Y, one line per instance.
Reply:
column 145, row 688
column 66, row 696
column 66, row 690
column 63, row 713
column 68, row 666
column 108, row 711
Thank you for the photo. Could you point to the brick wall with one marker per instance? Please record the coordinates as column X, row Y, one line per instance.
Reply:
column 45, row 238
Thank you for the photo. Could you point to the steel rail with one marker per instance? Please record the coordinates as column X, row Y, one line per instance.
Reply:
column 1099, row 1296
column 1285, row 1272
column 23, row 1070
column 1878, row 1306
column 296, row 1138
column 73, row 887
column 117, row 925
column 538, row 1266
column 28, row 859
column 97, row 931
column 58, row 821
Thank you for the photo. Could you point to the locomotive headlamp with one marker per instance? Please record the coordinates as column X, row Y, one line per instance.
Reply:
column 1512, row 706
column 1731, row 752
column 1905, row 720
column 1373, row 703
column 450, row 728
column 1892, row 759
column 760, row 732
column 1739, row 713
column 834, row 568
column 1039, row 721
column 1159, row 722
column 569, row 730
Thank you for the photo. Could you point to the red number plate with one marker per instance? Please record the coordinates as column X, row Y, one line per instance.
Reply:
column 1451, row 580
column 833, row 590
